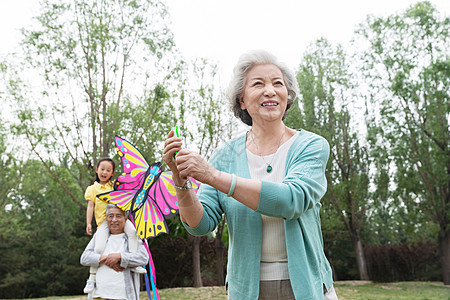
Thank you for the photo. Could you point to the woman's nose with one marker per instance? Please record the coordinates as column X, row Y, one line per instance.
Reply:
column 269, row 91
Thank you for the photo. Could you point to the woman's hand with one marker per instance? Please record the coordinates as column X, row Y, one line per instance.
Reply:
column 171, row 146
column 192, row 164
column 186, row 163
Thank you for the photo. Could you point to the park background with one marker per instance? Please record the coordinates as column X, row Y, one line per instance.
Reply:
column 374, row 81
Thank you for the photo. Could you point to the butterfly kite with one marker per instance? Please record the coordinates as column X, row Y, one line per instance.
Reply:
column 147, row 193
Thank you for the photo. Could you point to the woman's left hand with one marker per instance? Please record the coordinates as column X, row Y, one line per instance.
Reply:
column 191, row 164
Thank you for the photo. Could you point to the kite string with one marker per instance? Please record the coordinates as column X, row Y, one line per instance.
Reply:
column 152, row 272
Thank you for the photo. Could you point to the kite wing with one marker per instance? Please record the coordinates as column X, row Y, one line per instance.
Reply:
column 144, row 191
column 163, row 193
column 134, row 166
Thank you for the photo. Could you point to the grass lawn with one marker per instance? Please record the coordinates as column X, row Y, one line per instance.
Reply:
column 354, row 290
column 346, row 290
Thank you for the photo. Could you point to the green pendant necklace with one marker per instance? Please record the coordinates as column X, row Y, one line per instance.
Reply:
column 269, row 165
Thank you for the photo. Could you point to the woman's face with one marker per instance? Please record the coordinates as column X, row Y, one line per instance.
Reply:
column 265, row 94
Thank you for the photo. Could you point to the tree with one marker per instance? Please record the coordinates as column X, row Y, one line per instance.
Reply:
column 325, row 108
column 40, row 248
column 99, row 68
column 407, row 68
column 390, row 220
column 11, row 176
column 204, row 125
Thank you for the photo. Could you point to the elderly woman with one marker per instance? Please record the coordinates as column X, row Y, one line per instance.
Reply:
column 268, row 183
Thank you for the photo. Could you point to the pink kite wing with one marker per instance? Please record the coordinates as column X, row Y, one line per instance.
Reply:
column 149, row 221
column 163, row 193
column 123, row 198
column 127, row 182
column 145, row 191
column 133, row 162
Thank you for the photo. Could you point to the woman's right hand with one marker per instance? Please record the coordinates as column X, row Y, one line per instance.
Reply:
column 171, row 146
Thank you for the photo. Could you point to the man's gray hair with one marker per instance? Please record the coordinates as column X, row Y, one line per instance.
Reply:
column 110, row 205
column 236, row 87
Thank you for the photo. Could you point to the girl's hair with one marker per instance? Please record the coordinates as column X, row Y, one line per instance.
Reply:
column 244, row 64
column 102, row 160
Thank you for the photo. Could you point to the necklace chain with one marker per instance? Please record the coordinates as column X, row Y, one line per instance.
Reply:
column 269, row 165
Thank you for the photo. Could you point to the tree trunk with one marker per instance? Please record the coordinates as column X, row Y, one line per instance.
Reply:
column 444, row 252
column 220, row 253
column 196, row 274
column 360, row 258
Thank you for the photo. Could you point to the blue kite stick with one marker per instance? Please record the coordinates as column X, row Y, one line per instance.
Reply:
column 151, row 267
column 152, row 288
column 147, row 286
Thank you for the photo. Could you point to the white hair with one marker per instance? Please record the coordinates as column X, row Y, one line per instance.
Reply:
column 245, row 63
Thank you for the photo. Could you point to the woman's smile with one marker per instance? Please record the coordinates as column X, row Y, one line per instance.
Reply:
column 269, row 104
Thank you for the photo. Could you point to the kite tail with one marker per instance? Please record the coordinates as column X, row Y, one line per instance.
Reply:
column 151, row 269
column 147, row 286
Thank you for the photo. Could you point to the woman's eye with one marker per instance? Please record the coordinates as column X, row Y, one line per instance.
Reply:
column 279, row 83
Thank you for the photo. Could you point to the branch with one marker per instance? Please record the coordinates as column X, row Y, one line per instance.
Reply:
column 333, row 196
column 88, row 89
column 3, row 195
column 53, row 174
column 438, row 143
column 416, row 159
column 62, row 137
column 426, row 211
column 150, row 121
column 77, row 126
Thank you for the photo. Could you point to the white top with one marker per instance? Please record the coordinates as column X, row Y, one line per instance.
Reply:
column 109, row 283
column 273, row 248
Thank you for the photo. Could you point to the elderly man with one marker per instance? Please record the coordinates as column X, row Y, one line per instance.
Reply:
column 114, row 279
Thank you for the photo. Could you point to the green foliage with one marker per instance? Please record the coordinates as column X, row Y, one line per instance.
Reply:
column 97, row 69
column 405, row 261
column 11, row 170
column 147, row 123
column 205, row 124
column 41, row 246
column 409, row 71
column 104, row 69
column 324, row 108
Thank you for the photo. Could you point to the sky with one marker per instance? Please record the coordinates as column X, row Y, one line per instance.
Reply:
column 221, row 30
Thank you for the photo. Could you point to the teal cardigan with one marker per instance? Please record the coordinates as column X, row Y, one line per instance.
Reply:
column 296, row 199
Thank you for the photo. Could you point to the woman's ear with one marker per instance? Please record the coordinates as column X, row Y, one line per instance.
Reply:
column 241, row 101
